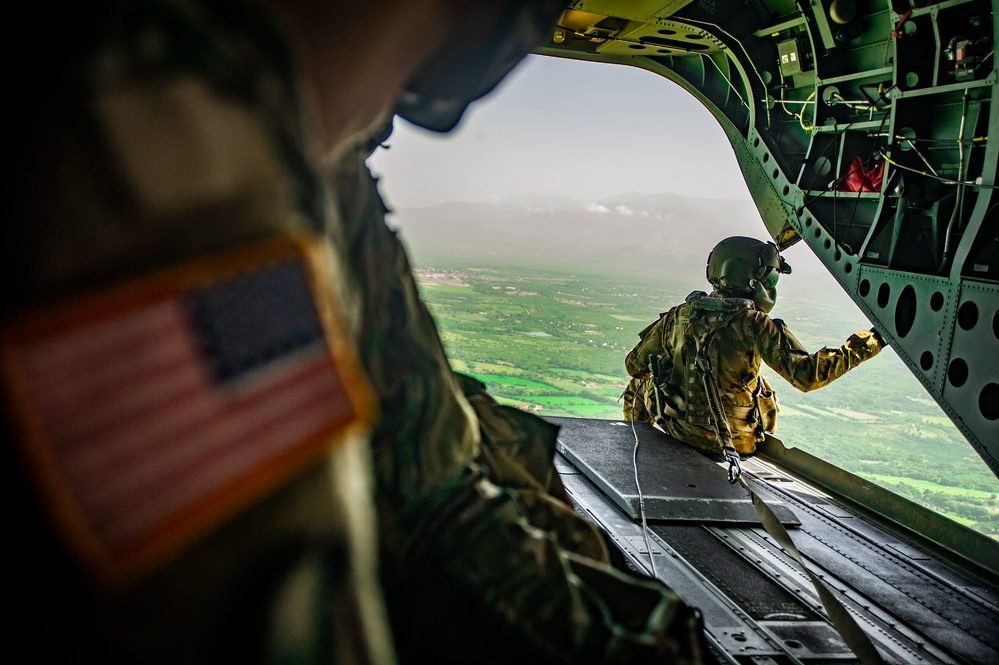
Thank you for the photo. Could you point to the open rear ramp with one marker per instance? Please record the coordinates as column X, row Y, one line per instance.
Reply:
column 916, row 601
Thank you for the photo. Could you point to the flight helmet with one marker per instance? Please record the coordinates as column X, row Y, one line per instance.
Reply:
column 487, row 40
column 747, row 268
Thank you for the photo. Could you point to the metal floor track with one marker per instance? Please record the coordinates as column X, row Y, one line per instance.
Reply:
column 759, row 606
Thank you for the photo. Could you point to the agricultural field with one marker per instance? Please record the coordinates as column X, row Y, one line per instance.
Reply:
column 553, row 343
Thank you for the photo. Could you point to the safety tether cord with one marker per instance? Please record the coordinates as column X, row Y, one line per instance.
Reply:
column 842, row 620
column 844, row 623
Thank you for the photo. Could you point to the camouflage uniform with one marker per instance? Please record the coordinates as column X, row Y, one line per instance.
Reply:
column 171, row 131
column 149, row 134
column 479, row 559
column 737, row 338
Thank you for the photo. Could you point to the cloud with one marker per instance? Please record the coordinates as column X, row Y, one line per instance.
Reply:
column 624, row 210
column 596, row 207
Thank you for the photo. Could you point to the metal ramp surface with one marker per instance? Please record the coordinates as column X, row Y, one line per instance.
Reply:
column 917, row 604
column 678, row 482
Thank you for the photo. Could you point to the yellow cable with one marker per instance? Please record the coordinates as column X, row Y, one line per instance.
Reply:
column 801, row 115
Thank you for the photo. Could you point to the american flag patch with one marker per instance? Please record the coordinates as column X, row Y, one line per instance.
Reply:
column 151, row 413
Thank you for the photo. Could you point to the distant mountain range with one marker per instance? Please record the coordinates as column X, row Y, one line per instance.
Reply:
column 621, row 234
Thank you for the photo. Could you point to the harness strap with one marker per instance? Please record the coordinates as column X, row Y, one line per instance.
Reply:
column 842, row 620
column 719, row 421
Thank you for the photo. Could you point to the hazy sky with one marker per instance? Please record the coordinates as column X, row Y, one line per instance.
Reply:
column 563, row 127
column 555, row 126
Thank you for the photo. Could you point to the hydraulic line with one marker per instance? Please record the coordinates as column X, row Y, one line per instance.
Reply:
column 726, row 79
column 947, row 181
column 815, row 113
column 921, row 156
column 959, row 194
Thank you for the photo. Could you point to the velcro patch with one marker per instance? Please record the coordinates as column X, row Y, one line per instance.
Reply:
column 151, row 412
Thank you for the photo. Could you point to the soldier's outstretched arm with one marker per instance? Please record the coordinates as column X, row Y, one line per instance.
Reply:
column 807, row 371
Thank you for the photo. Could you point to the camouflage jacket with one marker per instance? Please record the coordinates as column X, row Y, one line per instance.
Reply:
column 149, row 135
column 738, row 338
column 167, row 131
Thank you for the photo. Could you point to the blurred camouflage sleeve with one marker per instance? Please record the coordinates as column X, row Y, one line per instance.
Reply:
column 807, row 371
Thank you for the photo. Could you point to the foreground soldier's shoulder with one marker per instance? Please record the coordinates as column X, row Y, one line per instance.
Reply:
column 756, row 318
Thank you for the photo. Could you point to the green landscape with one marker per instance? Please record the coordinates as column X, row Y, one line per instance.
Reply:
column 553, row 342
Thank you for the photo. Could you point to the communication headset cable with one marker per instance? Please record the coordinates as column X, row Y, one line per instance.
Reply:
column 641, row 499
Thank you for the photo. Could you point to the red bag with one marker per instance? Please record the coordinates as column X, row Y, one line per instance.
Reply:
column 857, row 179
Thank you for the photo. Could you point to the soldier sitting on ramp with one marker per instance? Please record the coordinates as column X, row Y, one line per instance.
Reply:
column 221, row 385
column 696, row 369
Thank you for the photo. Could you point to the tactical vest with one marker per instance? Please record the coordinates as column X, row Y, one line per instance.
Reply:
column 691, row 331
